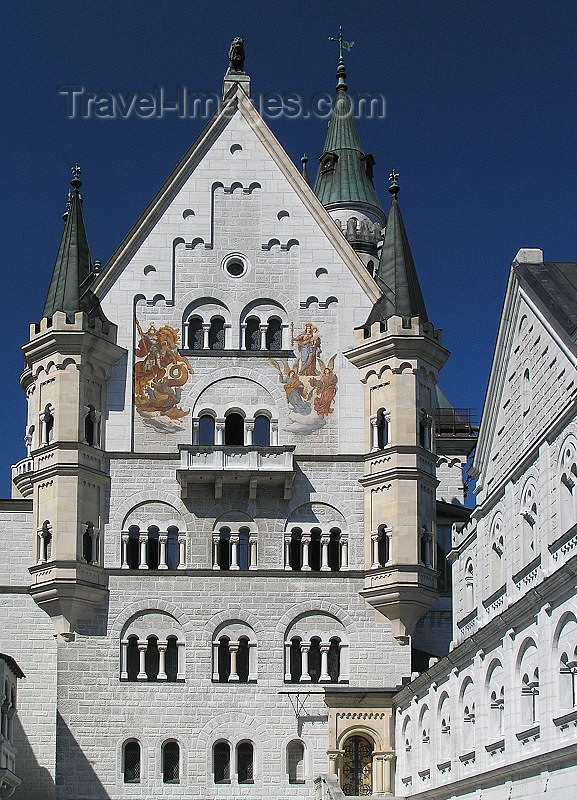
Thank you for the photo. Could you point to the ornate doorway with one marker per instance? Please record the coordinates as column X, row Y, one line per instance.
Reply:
column 357, row 766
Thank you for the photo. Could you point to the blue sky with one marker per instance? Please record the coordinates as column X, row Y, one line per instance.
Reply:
column 481, row 124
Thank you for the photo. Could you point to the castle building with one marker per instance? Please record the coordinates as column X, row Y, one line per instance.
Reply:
column 228, row 543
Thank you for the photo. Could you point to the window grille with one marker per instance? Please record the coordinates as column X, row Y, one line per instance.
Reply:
column 244, row 758
column 221, row 762
column 132, row 762
column 274, row 335
column 171, row 763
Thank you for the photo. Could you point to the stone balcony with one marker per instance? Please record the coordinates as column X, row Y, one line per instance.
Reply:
column 251, row 466
column 22, row 476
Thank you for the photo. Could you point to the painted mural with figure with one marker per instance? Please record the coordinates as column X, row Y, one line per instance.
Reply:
column 159, row 376
column 310, row 385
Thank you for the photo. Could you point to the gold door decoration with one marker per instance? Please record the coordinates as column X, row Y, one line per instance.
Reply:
column 357, row 772
column 310, row 385
column 159, row 377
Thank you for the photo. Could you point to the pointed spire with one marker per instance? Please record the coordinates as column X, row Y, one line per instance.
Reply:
column 72, row 266
column 304, row 170
column 345, row 176
column 396, row 273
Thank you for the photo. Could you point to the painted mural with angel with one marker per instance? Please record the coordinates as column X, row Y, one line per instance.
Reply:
column 159, row 377
column 310, row 385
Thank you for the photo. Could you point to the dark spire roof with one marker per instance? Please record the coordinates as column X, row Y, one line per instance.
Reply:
column 396, row 273
column 345, row 173
column 72, row 267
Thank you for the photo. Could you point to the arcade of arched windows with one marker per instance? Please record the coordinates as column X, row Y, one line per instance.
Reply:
column 152, row 648
column 234, row 546
column 235, row 428
column 316, row 650
column 567, row 484
column 208, row 326
column 316, row 548
column 234, row 654
column 497, row 703
column 158, row 546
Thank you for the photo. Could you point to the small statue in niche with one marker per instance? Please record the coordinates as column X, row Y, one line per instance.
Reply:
column 236, row 55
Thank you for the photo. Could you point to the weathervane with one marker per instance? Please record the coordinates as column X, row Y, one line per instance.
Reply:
column 342, row 44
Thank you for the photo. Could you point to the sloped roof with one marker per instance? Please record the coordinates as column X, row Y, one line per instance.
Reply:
column 396, row 274
column 72, row 267
column 554, row 284
column 349, row 183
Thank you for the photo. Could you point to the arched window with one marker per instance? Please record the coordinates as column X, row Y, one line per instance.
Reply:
column 444, row 717
column 242, row 660
column 45, row 542
column 526, row 391
column 206, row 430
column 468, row 704
column 47, row 425
column 567, row 655
column 382, row 429
column 87, row 544
column 243, row 556
column 171, row 664
column 132, row 553
column 224, row 659
column 216, row 334
column 261, row 433
column 528, row 521
column 171, row 762
column 314, row 659
column 496, row 698
column 195, row 338
column 425, row 430
column 406, row 753
column 425, row 734
column 223, row 548
column 91, row 426
column 234, row 429
column 497, row 553
column 528, row 672
column 153, row 549
column 568, row 485
column 274, row 334
column 295, row 670
column 244, row 762
column 469, row 586
column 357, row 779
column 172, row 548
column 221, row 762
column 152, row 659
column 131, row 762
column 295, row 762
column 252, row 334
column 334, row 660
column 132, row 658
column 295, row 550
column 315, row 549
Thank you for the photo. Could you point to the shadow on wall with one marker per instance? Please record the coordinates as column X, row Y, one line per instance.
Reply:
column 37, row 782
column 75, row 777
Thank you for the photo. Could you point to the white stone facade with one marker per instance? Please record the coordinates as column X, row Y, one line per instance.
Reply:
column 497, row 717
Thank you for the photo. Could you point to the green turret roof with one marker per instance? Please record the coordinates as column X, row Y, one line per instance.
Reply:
column 396, row 274
column 72, row 267
column 344, row 178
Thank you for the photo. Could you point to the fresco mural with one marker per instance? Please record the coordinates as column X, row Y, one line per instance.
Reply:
column 159, row 378
column 310, row 385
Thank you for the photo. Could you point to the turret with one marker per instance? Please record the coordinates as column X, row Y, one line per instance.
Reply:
column 68, row 360
column 344, row 182
column 399, row 353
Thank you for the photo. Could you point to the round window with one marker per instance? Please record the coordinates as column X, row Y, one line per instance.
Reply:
column 235, row 265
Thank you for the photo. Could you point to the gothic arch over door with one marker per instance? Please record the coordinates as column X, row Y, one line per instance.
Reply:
column 357, row 770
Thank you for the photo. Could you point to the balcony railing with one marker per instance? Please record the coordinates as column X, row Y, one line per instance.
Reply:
column 254, row 466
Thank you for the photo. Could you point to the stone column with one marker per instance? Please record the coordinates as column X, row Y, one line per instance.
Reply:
column 375, row 536
column 142, row 647
column 274, row 434
column 374, row 433
column 227, row 336
column 344, row 546
column 252, row 551
column 243, row 335
column 252, row 662
column 180, row 660
column 263, row 329
column 195, row 431
column 162, row 539
column 215, row 550
column 205, row 332
column 219, row 432
column 325, row 541
column 287, row 661
column 248, row 431
column 123, row 659
column 124, row 555
column 215, row 675
column 334, row 758
column 162, row 661
column 234, row 538
column 182, row 551
column 287, row 551
column 305, row 647
column 93, row 546
column 233, row 650
column 142, row 541
column 324, row 648
column 305, row 543
column 41, row 547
